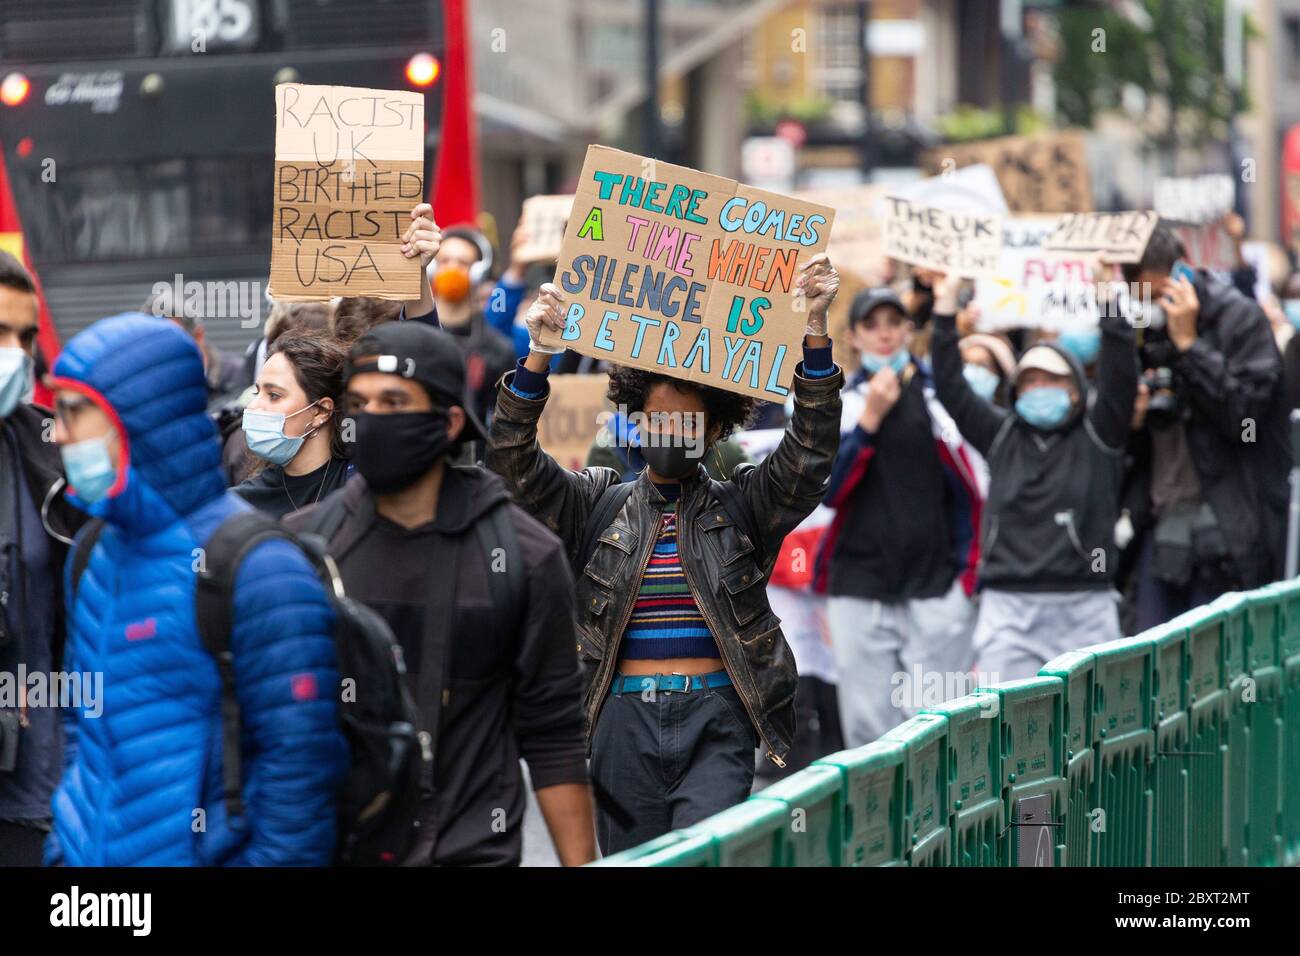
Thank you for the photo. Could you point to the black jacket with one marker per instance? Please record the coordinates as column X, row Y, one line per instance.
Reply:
column 33, row 427
column 277, row 494
column 1049, row 522
column 1235, row 416
column 513, row 684
column 718, row 557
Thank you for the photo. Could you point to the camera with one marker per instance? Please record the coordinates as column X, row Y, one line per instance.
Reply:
column 1164, row 408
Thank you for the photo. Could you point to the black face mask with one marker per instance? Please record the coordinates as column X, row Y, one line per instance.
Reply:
column 672, row 460
column 393, row 451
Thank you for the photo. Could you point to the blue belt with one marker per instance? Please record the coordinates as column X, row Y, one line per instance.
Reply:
column 639, row 683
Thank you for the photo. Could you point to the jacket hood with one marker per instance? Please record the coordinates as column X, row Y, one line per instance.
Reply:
column 1080, row 377
column 146, row 375
column 468, row 493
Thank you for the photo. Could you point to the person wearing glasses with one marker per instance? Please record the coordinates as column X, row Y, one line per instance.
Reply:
column 143, row 778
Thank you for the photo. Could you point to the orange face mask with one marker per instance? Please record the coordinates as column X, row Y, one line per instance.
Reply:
column 451, row 284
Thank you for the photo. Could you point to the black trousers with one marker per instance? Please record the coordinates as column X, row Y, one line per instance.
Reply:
column 20, row 845
column 670, row 759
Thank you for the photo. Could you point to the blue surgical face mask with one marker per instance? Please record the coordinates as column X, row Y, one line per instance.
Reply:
column 898, row 361
column 982, row 382
column 1083, row 344
column 1292, row 309
column 89, row 468
column 1045, row 406
column 264, row 433
column 15, row 378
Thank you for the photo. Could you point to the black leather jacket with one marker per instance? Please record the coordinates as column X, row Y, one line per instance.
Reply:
column 719, row 559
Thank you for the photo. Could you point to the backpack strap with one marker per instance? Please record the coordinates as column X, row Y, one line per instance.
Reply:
column 729, row 495
column 607, row 507
column 214, row 607
column 509, row 587
column 81, row 550
column 435, row 650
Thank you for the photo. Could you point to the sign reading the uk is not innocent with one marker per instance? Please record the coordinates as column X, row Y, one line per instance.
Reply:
column 349, row 168
column 675, row 271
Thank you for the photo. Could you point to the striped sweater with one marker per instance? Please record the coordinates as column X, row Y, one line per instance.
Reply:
column 666, row 622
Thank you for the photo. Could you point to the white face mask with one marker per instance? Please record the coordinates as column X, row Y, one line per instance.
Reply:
column 15, row 378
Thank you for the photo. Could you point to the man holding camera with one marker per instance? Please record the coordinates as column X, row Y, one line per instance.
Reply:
column 1209, row 495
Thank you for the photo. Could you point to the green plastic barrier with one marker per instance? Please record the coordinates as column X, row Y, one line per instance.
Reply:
column 925, row 775
column 1178, row 747
column 752, row 833
column 874, row 798
column 1288, row 594
column 1171, row 775
column 974, row 807
column 1125, row 745
column 1033, row 789
column 1075, row 670
column 679, row 848
column 1240, row 697
column 1264, row 845
column 814, row 802
column 1207, row 718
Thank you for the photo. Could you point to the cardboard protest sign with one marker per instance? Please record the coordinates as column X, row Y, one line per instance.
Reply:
column 544, row 219
column 1194, row 199
column 573, row 417
column 965, row 244
column 1032, row 288
column 673, row 270
column 1208, row 244
column 856, row 244
column 1116, row 236
column 1046, row 173
column 349, row 168
column 970, row 189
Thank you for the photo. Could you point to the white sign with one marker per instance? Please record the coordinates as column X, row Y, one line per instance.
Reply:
column 1032, row 288
column 1195, row 199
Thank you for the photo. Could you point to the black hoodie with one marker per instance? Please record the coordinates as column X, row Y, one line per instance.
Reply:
column 514, row 687
column 1049, row 522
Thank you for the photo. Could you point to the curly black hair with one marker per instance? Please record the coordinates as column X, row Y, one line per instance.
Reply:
column 629, row 387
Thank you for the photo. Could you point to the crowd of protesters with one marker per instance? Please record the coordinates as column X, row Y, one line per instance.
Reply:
column 962, row 504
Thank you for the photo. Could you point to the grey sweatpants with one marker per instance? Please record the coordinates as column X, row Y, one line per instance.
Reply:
column 1020, row 631
column 897, row 658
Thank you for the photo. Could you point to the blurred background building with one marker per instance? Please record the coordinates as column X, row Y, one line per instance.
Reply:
column 162, row 152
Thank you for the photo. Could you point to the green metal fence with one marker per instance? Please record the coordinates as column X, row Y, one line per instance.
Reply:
column 1180, row 746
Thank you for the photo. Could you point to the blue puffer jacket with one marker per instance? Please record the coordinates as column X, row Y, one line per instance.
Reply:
column 142, row 780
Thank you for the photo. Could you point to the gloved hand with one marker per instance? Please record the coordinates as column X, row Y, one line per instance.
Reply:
column 815, row 290
column 546, row 312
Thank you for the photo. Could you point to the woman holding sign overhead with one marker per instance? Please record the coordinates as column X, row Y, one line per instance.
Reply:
column 687, row 670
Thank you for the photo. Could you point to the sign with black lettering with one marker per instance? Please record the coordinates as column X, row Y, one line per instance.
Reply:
column 349, row 168
column 964, row 244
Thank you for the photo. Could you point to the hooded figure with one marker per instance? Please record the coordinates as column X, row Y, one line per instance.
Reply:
column 143, row 762
column 1048, row 556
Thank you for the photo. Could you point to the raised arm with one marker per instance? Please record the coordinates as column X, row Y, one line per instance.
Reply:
column 560, row 499
column 977, row 420
column 791, row 481
column 1110, row 410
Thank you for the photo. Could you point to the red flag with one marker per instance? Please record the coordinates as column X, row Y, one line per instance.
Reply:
column 455, row 179
column 11, row 241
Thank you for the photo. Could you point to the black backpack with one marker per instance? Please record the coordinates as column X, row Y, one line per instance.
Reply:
column 379, row 801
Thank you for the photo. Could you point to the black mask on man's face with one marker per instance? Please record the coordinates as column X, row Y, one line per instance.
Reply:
column 393, row 451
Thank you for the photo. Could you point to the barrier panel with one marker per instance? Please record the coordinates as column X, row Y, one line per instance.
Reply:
column 1180, row 746
column 1075, row 671
column 925, row 780
column 1033, row 787
column 974, row 810
column 874, row 800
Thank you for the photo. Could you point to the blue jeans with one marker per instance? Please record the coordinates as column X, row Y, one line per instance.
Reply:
column 670, row 759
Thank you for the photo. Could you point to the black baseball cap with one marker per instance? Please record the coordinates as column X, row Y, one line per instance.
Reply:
column 867, row 300
column 421, row 353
